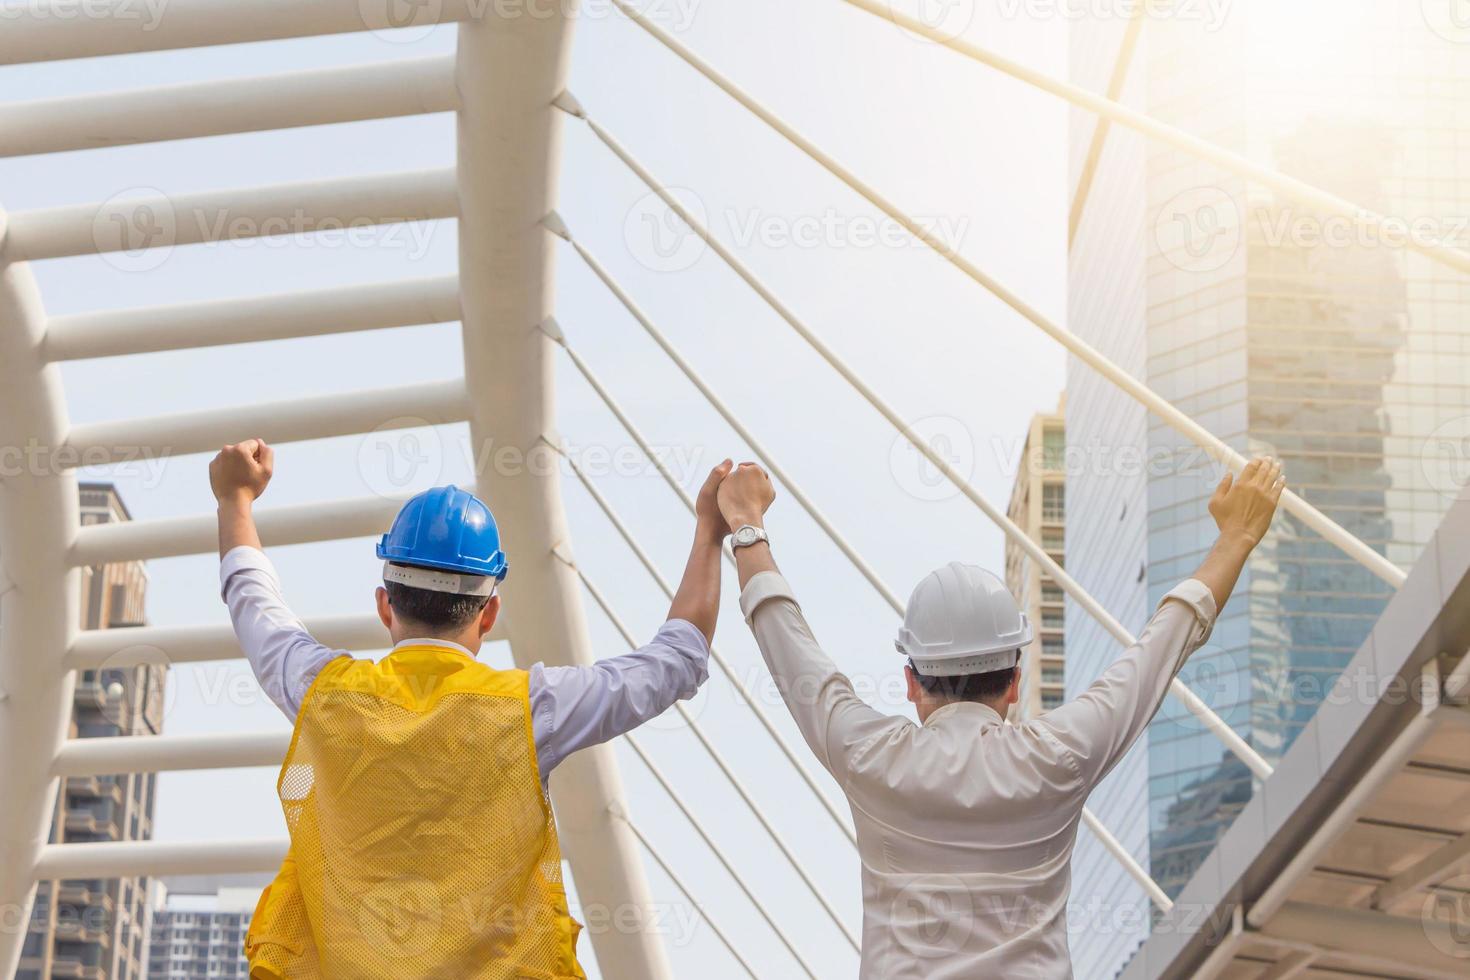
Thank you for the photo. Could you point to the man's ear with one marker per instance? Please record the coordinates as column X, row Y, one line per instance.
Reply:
column 489, row 614
column 1013, row 694
column 915, row 690
column 385, row 611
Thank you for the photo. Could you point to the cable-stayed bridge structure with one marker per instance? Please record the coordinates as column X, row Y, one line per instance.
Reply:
column 1269, row 912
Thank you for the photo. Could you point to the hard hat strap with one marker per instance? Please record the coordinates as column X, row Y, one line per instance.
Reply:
column 438, row 580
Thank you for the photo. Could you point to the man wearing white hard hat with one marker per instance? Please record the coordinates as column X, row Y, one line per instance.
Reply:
column 965, row 824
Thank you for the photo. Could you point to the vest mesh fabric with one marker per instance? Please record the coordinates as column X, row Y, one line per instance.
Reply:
column 422, row 844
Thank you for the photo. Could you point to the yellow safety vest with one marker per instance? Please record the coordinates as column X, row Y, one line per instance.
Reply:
column 422, row 844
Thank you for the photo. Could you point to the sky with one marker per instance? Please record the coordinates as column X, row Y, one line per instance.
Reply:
column 976, row 157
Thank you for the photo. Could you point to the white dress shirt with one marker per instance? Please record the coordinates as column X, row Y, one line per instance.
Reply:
column 965, row 824
column 571, row 707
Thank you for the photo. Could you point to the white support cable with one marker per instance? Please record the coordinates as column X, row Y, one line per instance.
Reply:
column 558, row 226
column 53, row 30
column 167, row 537
column 1237, row 745
column 1120, row 854
column 719, row 853
column 237, row 105
column 725, row 667
column 1298, row 190
column 719, row 760
column 308, row 313
column 1140, row 392
column 317, row 417
column 164, row 221
column 553, row 330
column 678, row 881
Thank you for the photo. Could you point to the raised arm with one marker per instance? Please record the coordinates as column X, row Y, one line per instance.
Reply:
column 282, row 654
column 831, row 717
column 697, row 600
column 1100, row 725
column 576, row 707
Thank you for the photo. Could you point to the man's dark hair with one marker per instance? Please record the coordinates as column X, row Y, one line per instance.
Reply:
column 439, row 611
column 969, row 687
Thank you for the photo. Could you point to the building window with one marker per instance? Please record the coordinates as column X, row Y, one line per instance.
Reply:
column 1053, row 447
column 1053, row 502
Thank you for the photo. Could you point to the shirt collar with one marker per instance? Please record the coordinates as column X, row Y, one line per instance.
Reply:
column 431, row 641
column 972, row 711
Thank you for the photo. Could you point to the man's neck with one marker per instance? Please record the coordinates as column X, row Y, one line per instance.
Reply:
column 934, row 704
column 462, row 642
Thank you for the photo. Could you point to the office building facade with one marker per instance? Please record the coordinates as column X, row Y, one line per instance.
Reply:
column 201, row 937
column 1038, row 506
column 1315, row 338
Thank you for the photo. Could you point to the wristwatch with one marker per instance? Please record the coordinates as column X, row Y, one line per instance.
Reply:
column 746, row 535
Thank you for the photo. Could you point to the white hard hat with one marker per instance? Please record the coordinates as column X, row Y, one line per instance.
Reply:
column 962, row 620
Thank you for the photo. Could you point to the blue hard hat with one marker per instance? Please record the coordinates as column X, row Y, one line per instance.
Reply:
column 449, row 529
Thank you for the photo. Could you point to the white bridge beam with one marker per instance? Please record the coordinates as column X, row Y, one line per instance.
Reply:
column 54, row 30
column 163, row 645
column 296, row 420
column 238, row 105
column 101, row 544
column 133, row 224
column 510, row 70
column 129, row 859
column 169, row 753
column 309, row 313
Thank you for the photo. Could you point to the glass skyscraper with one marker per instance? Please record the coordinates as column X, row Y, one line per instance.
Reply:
column 1316, row 338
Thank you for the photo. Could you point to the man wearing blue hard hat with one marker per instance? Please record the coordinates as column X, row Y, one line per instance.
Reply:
column 415, row 787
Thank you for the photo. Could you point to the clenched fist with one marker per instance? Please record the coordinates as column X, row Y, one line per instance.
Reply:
column 745, row 496
column 1244, row 507
column 240, row 473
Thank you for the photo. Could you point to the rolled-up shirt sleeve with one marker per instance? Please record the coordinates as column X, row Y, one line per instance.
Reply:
column 573, row 707
column 832, row 719
column 1100, row 725
column 283, row 655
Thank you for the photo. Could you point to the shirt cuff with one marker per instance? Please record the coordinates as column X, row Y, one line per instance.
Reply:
column 763, row 586
column 682, row 633
column 240, row 559
column 1198, row 597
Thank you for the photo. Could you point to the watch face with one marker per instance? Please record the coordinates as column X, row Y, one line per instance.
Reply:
column 746, row 535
